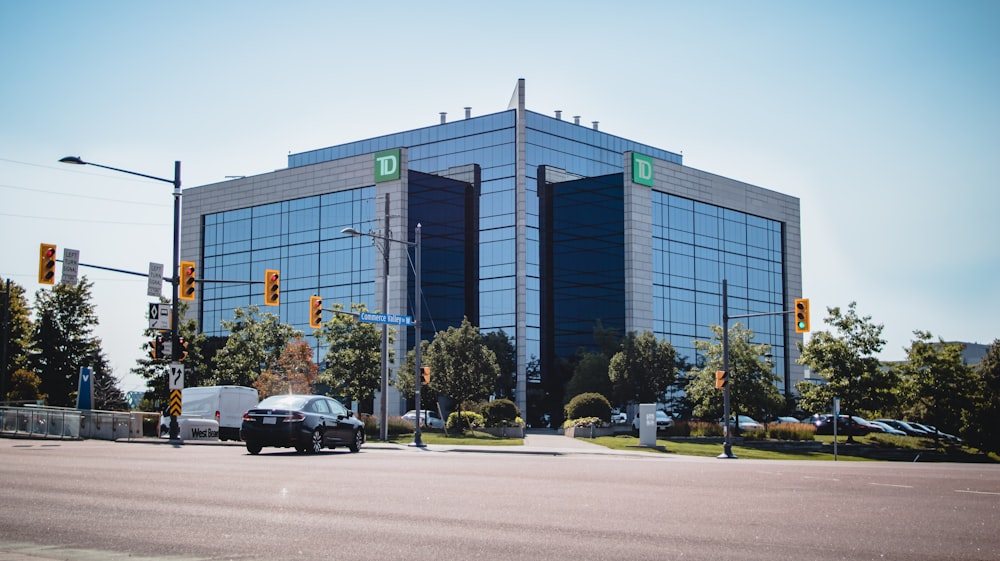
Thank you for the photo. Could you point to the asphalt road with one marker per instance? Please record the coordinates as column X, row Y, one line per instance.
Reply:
column 551, row 499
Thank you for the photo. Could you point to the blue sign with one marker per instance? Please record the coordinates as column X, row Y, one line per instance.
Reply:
column 85, row 396
column 369, row 317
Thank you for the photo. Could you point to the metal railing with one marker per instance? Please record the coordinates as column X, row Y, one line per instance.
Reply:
column 63, row 423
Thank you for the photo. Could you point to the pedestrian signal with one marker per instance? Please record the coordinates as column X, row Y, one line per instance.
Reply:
column 425, row 374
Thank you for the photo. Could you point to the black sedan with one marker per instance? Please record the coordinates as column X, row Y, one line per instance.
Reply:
column 846, row 425
column 307, row 423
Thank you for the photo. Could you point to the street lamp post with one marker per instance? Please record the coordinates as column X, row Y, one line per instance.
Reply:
column 384, row 248
column 175, row 277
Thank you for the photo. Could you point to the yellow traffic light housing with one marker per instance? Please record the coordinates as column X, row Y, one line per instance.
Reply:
column 802, row 315
column 47, row 264
column 156, row 348
column 272, row 287
column 721, row 379
column 187, row 287
column 425, row 374
column 315, row 312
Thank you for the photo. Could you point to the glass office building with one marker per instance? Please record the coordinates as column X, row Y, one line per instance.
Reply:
column 531, row 224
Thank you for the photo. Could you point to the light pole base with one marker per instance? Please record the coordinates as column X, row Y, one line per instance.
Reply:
column 417, row 442
column 727, row 453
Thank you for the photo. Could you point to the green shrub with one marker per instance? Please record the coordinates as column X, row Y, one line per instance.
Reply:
column 461, row 420
column 701, row 428
column 589, row 405
column 792, row 431
column 397, row 425
column 500, row 411
column 582, row 422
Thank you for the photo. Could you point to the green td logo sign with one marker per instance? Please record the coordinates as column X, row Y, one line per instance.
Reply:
column 387, row 165
column 642, row 169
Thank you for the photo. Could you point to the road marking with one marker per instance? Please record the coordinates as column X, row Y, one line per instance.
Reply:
column 892, row 485
column 822, row 478
column 976, row 492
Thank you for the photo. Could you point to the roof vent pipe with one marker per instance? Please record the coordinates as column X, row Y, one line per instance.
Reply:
column 595, row 124
column 444, row 117
column 559, row 114
column 468, row 112
column 576, row 119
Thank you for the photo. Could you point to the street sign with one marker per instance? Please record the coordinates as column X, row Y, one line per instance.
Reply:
column 174, row 404
column 393, row 319
column 71, row 265
column 154, row 281
column 159, row 316
column 176, row 381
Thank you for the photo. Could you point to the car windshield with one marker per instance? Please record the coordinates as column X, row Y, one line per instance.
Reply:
column 291, row 402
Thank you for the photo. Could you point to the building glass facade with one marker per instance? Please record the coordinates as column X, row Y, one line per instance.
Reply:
column 543, row 242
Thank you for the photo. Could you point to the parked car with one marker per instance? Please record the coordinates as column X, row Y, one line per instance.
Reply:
column 745, row 423
column 846, row 425
column 429, row 419
column 785, row 420
column 663, row 421
column 909, row 429
column 618, row 417
column 307, row 423
column 888, row 429
column 931, row 431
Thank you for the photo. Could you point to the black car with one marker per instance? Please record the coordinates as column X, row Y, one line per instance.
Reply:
column 846, row 425
column 307, row 423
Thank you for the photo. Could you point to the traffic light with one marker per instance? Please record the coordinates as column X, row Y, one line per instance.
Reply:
column 425, row 374
column 156, row 348
column 47, row 264
column 187, row 280
column 802, row 315
column 183, row 354
column 315, row 312
column 721, row 379
column 272, row 287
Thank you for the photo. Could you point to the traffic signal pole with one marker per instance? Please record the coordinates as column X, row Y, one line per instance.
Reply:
column 727, row 445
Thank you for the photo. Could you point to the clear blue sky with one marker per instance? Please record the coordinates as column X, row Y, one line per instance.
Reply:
column 883, row 117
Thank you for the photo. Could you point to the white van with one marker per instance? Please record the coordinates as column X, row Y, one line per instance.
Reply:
column 225, row 404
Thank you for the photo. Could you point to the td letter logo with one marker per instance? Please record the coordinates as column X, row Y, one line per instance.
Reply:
column 387, row 165
column 642, row 169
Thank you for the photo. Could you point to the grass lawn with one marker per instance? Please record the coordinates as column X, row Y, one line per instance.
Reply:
column 473, row 439
column 712, row 450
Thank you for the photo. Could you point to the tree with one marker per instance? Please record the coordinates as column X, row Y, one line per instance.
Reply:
column 19, row 328
column 23, row 388
column 752, row 381
column 935, row 382
column 353, row 356
column 255, row 343
column 641, row 371
column 463, row 367
column 848, row 363
column 64, row 341
column 406, row 378
column 295, row 372
column 980, row 422
column 503, row 347
column 590, row 376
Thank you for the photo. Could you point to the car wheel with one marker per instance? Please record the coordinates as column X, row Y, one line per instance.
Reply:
column 316, row 442
column 359, row 439
column 254, row 448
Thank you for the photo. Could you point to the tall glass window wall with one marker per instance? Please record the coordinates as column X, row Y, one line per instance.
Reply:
column 695, row 246
column 580, row 151
column 301, row 238
column 488, row 141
